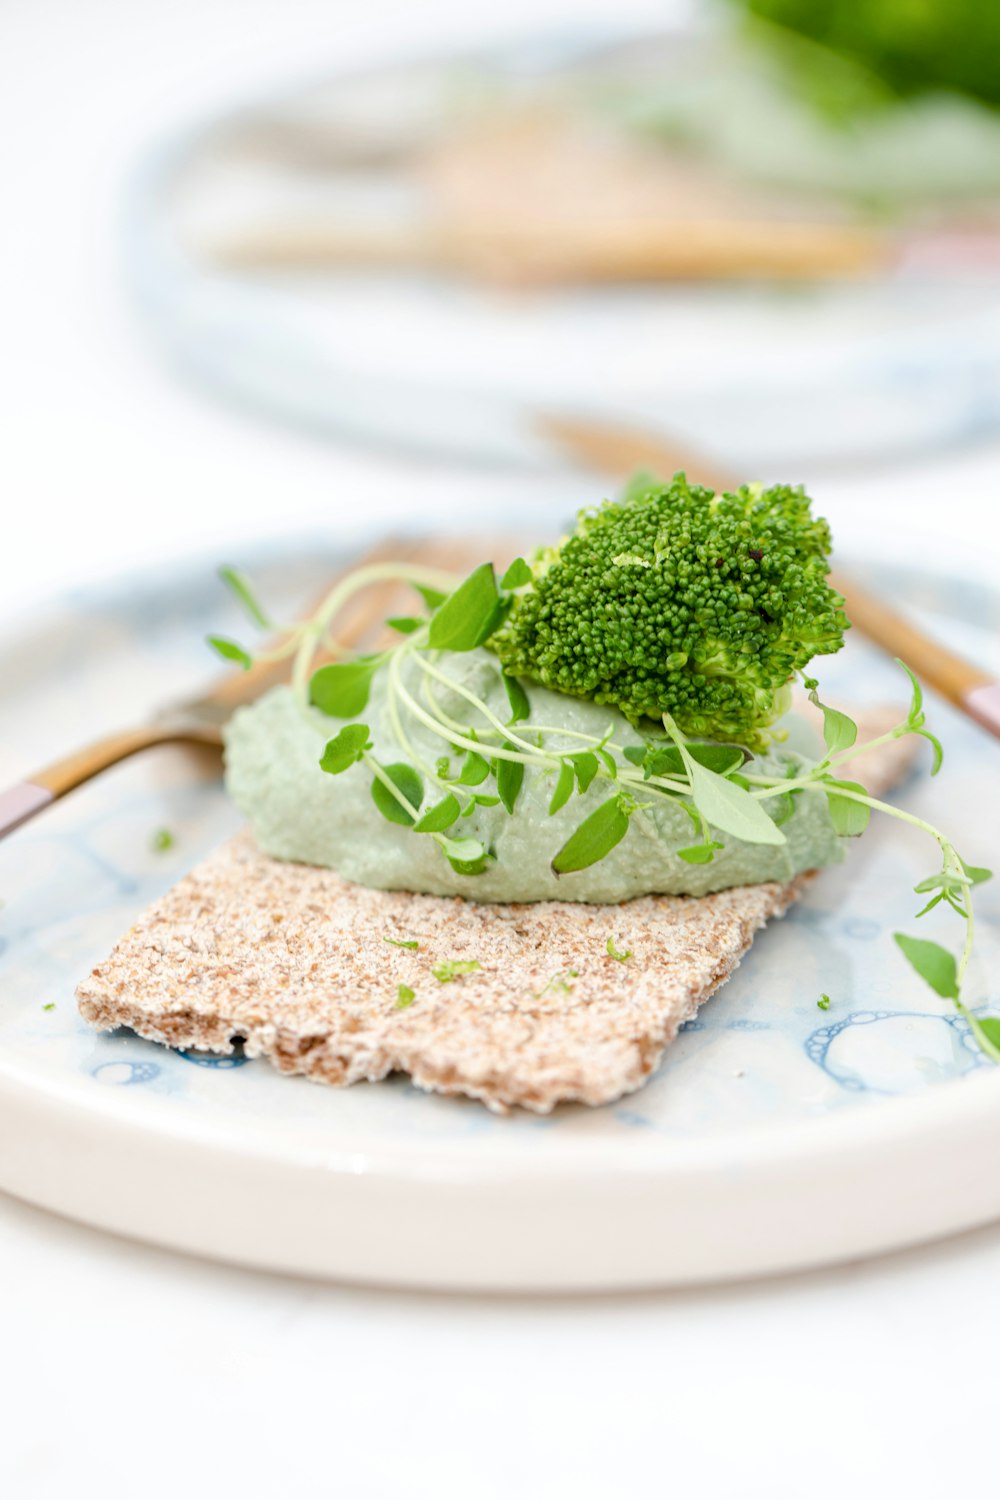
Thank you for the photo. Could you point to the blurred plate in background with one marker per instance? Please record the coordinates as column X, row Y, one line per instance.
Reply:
column 390, row 255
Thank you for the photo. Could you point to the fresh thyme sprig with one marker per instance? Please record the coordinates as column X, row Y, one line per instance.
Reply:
column 713, row 783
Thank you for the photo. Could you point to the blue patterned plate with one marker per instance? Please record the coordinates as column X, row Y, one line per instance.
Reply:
column 776, row 1134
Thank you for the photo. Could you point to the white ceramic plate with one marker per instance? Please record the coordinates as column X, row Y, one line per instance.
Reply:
column 776, row 1135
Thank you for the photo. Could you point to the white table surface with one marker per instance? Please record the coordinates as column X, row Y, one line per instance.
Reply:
column 126, row 1370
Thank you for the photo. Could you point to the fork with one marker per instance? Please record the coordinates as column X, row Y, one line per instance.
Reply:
column 200, row 721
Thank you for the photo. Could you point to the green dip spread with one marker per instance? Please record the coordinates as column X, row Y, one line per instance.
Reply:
column 299, row 812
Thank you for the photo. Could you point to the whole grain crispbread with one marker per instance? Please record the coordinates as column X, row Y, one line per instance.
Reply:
column 294, row 960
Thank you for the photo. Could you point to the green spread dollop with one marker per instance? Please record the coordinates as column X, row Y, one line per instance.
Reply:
column 298, row 812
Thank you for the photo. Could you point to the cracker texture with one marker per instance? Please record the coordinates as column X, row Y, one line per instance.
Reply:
column 294, row 961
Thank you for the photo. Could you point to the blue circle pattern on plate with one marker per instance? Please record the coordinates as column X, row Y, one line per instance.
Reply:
column 937, row 1045
column 211, row 1059
column 122, row 1073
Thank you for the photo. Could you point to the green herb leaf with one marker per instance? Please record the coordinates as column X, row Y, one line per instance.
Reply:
column 480, row 799
column 49, row 1005
column 433, row 598
column 345, row 749
column 977, row 873
column 230, row 651
column 849, row 818
column 621, row 958
column 731, row 809
column 439, row 817
column 463, row 849
column 466, row 856
column 401, row 942
column 839, row 730
column 520, row 707
column 937, row 747
column 475, row 769
column 610, row 764
column 408, row 781
column 405, row 624
column 404, row 997
column 596, row 836
column 723, row 759
column 700, row 854
column 933, row 963
column 564, row 788
column 341, row 689
column 584, row 763
column 780, row 808
column 510, row 779
column 240, row 585
column 470, row 615
column 453, row 968
column 517, row 575
column 823, row 1003
column 989, row 1024
column 162, row 840
column 917, row 700
column 666, row 760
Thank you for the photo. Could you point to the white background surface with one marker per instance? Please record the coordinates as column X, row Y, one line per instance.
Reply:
column 128, row 1371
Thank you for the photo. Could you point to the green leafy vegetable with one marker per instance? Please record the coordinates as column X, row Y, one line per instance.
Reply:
column 475, row 769
column 230, row 651
column 585, row 764
column 933, row 963
column 241, row 587
column 731, row 809
column 564, row 788
column 470, row 615
column 453, row 968
column 520, row 708
column 510, row 779
column 595, row 837
column 405, row 624
column 439, row 817
column 431, row 597
column 700, row 854
column 346, row 748
column 342, row 688
column 517, row 575
column 408, row 783
column 849, row 818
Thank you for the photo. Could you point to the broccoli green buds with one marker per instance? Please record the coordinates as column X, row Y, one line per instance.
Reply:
column 676, row 600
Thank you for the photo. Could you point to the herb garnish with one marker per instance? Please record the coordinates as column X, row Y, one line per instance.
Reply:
column 162, row 840
column 823, row 1003
column 621, row 958
column 453, row 968
column 401, row 942
column 404, row 997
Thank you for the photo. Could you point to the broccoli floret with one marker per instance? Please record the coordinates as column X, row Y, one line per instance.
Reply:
column 677, row 600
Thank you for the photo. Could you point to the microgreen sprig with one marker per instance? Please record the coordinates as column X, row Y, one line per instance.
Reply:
column 484, row 759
